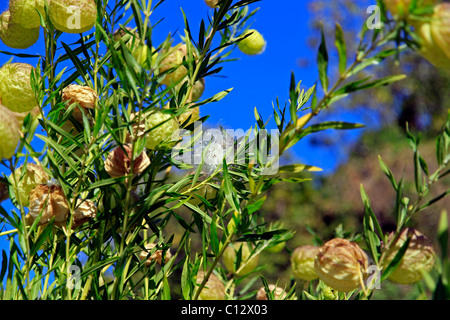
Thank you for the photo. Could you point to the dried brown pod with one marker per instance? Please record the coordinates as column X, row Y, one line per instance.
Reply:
column 118, row 163
column 156, row 256
column 279, row 293
column 85, row 211
column 341, row 264
column 51, row 201
column 84, row 96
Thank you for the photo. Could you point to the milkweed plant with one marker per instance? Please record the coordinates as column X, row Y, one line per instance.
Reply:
column 105, row 148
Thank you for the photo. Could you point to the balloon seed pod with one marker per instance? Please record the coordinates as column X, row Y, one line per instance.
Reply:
column 14, row 35
column 400, row 8
column 174, row 60
column 419, row 257
column 15, row 87
column 73, row 16
column 440, row 27
column 213, row 289
column 85, row 97
column 197, row 90
column 279, row 293
column 341, row 264
column 138, row 49
column 85, row 211
column 212, row 3
column 157, row 256
column 191, row 114
column 247, row 263
column 9, row 133
column 23, row 12
column 163, row 130
column 302, row 262
column 33, row 175
column 119, row 161
column 253, row 44
column 51, row 202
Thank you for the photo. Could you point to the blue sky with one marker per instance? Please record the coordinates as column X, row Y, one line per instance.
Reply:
column 257, row 80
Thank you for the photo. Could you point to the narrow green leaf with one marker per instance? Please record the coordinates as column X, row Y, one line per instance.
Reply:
column 341, row 47
column 322, row 62
column 396, row 261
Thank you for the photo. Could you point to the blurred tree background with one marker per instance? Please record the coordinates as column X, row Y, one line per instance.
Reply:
column 332, row 204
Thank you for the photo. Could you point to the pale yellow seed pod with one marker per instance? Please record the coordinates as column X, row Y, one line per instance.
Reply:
column 302, row 262
column 163, row 129
column 20, row 116
column 14, row 35
column 429, row 48
column 15, row 87
column 9, row 133
column 73, row 16
column 419, row 256
column 174, row 59
column 279, row 293
column 213, row 289
column 341, row 264
column 51, row 201
column 400, row 8
column 440, row 27
column 25, row 12
column 138, row 49
column 253, row 44
column 157, row 256
column 247, row 265
column 212, row 3
column 33, row 176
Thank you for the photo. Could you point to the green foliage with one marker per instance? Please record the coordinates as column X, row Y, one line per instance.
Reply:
column 108, row 257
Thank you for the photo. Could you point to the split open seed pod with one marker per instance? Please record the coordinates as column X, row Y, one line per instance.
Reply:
column 119, row 162
column 157, row 256
column 85, row 211
column 51, row 202
column 85, row 97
